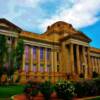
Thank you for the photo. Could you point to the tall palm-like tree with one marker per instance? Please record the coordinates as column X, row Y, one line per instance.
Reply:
column 19, row 53
column 3, row 52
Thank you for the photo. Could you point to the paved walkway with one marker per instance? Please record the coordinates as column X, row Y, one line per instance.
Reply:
column 23, row 97
column 20, row 97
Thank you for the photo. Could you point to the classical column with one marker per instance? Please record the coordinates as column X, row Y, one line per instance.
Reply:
column 72, row 58
column 23, row 62
column 99, row 64
column 89, row 61
column 38, row 59
column 55, row 60
column 52, row 69
column 78, row 59
column 95, row 64
column 31, row 59
column 84, row 62
column 31, row 73
column 45, row 59
column 22, row 74
column 52, row 66
column 92, row 64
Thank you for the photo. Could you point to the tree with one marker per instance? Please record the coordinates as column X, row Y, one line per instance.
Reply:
column 3, row 53
column 3, row 50
column 19, row 53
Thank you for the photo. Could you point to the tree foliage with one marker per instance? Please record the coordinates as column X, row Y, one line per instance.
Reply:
column 19, row 53
column 3, row 49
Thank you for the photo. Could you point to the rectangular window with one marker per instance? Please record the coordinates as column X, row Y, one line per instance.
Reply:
column 48, row 54
column 57, row 57
column 57, row 68
column 27, row 54
column 41, row 53
column 34, row 68
column 41, row 67
column 34, row 53
column 26, row 68
column 48, row 68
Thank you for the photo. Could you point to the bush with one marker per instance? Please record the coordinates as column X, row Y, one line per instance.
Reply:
column 81, row 75
column 65, row 90
column 85, row 88
column 31, row 89
column 97, row 83
column 95, row 74
column 46, row 89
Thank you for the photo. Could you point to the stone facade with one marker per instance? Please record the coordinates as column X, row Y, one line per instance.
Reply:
column 61, row 52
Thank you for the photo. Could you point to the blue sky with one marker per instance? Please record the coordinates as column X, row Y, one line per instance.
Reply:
column 36, row 15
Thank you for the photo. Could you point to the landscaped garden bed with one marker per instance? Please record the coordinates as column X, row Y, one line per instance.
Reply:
column 65, row 90
column 62, row 90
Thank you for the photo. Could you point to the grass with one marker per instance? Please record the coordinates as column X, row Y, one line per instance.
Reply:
column 8, row 91
column 96, row 98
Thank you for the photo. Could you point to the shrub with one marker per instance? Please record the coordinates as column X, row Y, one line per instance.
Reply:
column 97, row 83
column 35, row 89
column 81, row 75
column 27, row 89
column 88, row 87
column 31, row 89
column 65, row 90
column 95, row 74
column 46, row 89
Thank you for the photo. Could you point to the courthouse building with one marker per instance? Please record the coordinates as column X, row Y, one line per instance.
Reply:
column 62, row 52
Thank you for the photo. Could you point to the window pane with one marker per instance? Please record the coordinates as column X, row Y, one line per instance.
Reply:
column 34, row 53
column 26, row 53
column 48, row 53
column 41, row 53
column 34, row 68
column 41, row 68
column 48, row 68
column 26, row 68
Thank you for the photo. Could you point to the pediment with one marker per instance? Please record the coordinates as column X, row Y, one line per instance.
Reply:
column 81, row 36
column 7, row 25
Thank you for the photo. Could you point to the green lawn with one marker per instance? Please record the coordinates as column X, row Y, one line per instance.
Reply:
column 8, row 91
column 96, row 98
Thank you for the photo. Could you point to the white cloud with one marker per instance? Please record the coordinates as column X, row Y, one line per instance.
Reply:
column 37, row 13
column 81, row 14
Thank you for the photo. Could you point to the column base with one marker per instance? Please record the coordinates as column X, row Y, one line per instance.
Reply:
column 31, row 76
column 15, row 76
column 75, row 76
column 52, row 77
column 23, row 79
column 46, row 76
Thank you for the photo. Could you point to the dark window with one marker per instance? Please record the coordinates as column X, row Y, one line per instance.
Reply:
column 34, row 53
column 48, row 53
column 57, row 68
column 48, row 68
column 41, row 53
column 27, row 53
column 57, row 56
